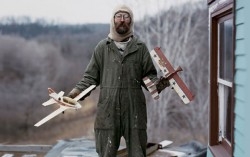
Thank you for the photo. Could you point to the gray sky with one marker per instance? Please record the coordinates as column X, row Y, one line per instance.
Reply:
column 79, row 11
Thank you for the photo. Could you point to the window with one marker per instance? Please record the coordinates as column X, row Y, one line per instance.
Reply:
column 225, row 77
column 221, row 28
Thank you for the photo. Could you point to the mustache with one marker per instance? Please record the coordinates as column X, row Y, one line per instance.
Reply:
column 123, row 25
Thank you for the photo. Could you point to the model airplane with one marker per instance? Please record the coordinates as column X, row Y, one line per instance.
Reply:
column 151, row 86
column 64, row 103
column 171, row 74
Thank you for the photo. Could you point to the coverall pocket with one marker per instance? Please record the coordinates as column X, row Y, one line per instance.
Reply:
column 134, row 69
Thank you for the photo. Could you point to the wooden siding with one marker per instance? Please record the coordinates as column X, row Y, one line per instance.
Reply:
column 242, row 78
column 239, row 142
column 209, row 154
column 246, row 3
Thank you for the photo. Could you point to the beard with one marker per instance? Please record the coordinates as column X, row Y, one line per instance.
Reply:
column 121, row 28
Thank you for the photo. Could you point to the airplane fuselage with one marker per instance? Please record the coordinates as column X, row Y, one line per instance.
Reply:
column 67, row 102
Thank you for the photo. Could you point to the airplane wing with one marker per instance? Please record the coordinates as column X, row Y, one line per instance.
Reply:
column 49, row 102
column 86, row 91
column 50, row 116
column 175, row 81
column 151, row 87
column 60, row 94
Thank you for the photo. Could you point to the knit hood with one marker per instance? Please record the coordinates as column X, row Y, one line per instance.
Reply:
column 113, row 34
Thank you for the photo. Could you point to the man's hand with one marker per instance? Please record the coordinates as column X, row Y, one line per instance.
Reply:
column 162, row 84
column 73, row 93
column 69, row 100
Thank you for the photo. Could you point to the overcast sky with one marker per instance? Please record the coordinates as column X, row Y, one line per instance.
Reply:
column 79, row 11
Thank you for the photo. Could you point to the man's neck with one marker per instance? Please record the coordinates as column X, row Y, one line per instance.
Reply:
column 126, row 39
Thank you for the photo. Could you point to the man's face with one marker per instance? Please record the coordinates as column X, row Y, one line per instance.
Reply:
column 122, row 22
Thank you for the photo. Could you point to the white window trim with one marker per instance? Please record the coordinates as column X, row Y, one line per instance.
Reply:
column 224, row 82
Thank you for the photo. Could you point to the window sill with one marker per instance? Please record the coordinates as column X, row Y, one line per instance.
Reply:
column 219, row 151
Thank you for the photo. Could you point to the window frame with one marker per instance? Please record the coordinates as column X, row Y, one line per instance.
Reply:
column 218, row 149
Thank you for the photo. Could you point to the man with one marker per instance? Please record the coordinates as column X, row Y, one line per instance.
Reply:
column 119, row 64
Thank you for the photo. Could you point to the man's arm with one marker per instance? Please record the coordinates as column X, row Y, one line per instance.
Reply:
column 90, row 77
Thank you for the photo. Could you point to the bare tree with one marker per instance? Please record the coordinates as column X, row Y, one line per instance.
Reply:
column 181, row 32
column 27, row 69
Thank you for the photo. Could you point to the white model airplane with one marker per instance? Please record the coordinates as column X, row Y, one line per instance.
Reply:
column 64, row 103
column 171, row 74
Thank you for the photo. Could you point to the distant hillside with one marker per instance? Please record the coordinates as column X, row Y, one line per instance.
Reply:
column 34, row 29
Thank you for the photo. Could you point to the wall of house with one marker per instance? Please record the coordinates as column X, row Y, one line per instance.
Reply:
column 247, row 45
column 242, row 78
column 209, row 154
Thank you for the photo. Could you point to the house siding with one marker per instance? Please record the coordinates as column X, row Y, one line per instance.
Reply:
column 242, row 75
column 247, row 89
column 209, row 154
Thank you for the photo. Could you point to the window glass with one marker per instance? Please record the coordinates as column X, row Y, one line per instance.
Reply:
column 225, row 94
column 227, row 109
column 226, row 47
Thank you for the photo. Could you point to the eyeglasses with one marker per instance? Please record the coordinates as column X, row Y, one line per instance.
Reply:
column 119, row 16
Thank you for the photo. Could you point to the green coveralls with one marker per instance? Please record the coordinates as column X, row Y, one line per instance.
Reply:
column 121, row 109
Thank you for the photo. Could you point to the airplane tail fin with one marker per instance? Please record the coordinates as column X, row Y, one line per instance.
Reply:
column 56, row 95
column 51, row 90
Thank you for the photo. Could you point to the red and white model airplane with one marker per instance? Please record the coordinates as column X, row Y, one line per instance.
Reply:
column 168, row 71
column 64, row 103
